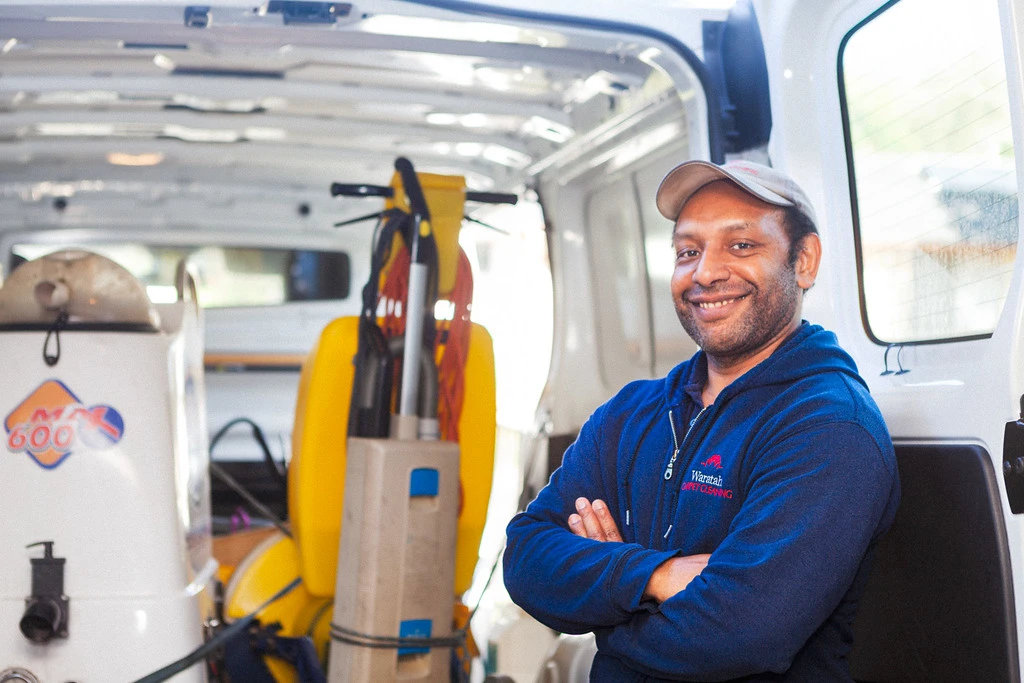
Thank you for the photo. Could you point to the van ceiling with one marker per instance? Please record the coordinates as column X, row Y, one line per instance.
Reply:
column 157, row 115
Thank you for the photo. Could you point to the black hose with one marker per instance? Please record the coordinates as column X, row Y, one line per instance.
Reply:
column 221, row 474
column 277, row 472
column 413, row 189
column 200, row 653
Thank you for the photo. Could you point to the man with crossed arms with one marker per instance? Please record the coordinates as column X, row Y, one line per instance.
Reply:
column 719, row 523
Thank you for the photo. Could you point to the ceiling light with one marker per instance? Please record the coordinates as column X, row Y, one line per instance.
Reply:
column 125, row 159
column 499, row 154
column 601, row 82
column 164, row 62
column 473, row 120
column 264, row 134
column 74, row 129
column 547, row 129
column 499, row 79
column 468, row 149
column 235, row 106
column 84, row 98
column 451, row 68
column 200, row 134
column 424, row 27
column 438, row 118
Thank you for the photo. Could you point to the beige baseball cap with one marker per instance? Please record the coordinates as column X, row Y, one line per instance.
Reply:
column 767, row 184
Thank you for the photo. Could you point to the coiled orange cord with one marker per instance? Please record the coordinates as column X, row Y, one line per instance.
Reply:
column 452, row 340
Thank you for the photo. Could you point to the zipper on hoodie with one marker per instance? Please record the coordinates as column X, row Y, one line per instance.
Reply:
column 673, row 496
column 675, row 441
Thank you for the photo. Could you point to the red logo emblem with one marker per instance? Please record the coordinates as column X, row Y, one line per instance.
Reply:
column 52, row 421
column 714, row 461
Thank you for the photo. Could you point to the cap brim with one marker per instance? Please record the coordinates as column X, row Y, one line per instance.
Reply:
column 687, row 178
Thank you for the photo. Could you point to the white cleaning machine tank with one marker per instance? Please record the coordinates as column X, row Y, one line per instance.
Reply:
column 103, row 472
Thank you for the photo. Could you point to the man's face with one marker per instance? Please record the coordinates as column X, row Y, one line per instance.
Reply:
column 734, row 290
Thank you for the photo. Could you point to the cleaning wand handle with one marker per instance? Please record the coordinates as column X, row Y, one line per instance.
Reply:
column 416, row 301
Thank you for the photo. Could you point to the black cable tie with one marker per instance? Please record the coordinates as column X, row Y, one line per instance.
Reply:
column 359, row 219
column 344, row 635
column 486, row 225
column 58, row 324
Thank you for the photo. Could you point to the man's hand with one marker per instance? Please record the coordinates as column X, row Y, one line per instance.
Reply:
column 673, row 575
column 594, row 521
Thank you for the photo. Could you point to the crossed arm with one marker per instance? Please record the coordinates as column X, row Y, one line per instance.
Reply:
column 594, row 521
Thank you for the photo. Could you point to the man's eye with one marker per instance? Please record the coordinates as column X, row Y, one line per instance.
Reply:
column 687, row 254
column 743, row 245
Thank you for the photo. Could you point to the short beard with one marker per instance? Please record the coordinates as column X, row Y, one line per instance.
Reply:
column 768, row 313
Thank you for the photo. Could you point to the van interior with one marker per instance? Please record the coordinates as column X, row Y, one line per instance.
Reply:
column 154, row 132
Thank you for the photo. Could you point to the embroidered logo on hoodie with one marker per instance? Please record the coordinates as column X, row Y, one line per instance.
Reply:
column 714, row 461
column 708, row 484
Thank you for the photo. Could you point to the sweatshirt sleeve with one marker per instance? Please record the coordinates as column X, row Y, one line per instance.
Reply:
column 573, row 584
column 814, row 506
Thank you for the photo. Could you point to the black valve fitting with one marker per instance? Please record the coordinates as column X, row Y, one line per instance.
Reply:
column 46, row 610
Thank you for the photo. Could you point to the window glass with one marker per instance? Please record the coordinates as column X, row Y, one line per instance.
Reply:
column 513, row 299
column 622, row 311
column 671, row 343
column 225, row 276
column 932, row 165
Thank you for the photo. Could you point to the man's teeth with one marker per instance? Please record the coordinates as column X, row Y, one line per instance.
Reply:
column 718, row 304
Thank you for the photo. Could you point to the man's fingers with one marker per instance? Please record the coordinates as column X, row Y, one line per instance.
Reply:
column 594, row 521
column 590, row 523
column 608, row 525
column 576, row 526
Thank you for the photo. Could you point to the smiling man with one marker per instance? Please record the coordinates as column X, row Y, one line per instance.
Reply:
column 719, row 523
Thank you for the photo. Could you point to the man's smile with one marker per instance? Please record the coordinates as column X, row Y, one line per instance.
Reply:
column 720, row 303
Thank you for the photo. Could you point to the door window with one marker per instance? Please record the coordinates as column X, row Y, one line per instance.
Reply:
column 930, row 151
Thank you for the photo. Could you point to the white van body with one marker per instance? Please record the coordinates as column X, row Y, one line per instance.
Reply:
column 152, row 129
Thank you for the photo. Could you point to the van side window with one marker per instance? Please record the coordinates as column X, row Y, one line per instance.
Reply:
column 930, row 152
column 225, row 276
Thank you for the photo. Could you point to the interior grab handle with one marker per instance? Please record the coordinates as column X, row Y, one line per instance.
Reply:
column 360, row 190
column 365, row 190
column 492, row 197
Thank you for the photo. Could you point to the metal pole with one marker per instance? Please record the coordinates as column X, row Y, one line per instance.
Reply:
column 413, row 339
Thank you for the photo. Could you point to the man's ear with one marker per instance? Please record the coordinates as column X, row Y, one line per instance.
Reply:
column 807, row 261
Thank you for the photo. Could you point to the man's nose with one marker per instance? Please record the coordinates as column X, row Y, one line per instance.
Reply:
column 711, row 268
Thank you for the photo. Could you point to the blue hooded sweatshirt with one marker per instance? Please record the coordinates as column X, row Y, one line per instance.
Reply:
column 788, row 480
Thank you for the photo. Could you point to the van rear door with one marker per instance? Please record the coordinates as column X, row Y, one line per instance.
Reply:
column 902, row 119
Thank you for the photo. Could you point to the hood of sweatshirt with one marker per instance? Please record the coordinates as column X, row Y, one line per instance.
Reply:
column 810, row 350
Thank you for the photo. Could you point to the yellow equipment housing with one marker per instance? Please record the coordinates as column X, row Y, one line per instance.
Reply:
column 270, row 566
column 446, row 199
